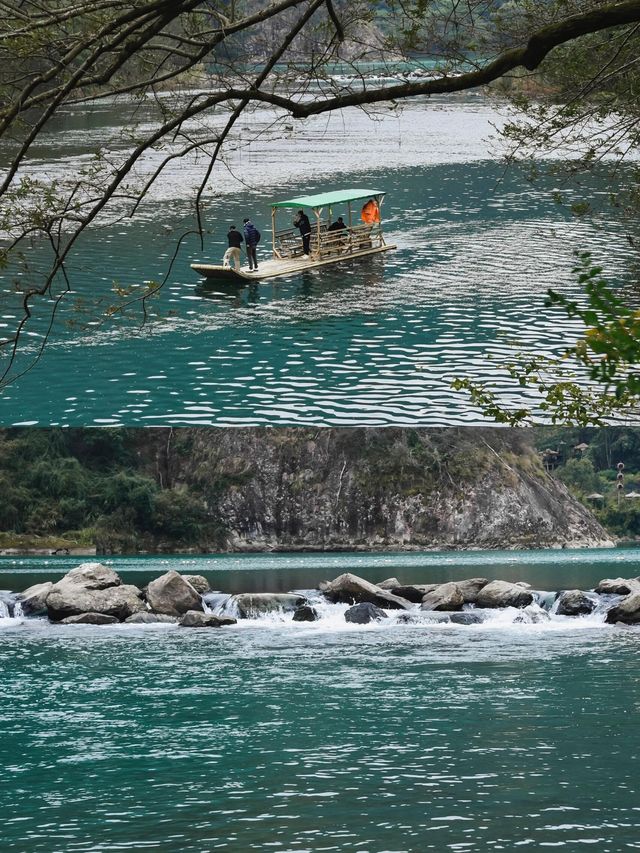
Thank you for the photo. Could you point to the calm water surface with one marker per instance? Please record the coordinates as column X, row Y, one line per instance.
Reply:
column 376, row 341
column 276, row 735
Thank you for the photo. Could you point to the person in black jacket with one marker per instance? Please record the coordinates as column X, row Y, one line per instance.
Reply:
column 251, row 239
column 234, row 238
column 301, row 222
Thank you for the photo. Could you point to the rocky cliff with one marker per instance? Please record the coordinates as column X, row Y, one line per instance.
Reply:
column 333, row 489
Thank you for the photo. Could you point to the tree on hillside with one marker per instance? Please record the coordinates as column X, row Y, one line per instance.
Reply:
column 223, row 59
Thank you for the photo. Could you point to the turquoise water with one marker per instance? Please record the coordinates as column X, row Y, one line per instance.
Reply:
column 285, row 736
column 374, row 342
column 234, row 573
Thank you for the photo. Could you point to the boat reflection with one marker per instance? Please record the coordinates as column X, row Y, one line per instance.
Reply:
column 308, row 284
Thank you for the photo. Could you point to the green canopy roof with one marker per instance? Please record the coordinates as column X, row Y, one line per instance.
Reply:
column 328, row 199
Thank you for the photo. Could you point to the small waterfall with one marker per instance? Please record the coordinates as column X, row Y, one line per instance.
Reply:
column 5, row 613
column 214, row 602
column 18, row 612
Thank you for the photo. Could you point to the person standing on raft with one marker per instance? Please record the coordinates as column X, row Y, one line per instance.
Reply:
column 370, row 212
column 301, row 222
column 234, row 238
column 251, row 239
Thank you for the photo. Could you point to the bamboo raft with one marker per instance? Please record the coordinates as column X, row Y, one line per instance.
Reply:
column 355, row 240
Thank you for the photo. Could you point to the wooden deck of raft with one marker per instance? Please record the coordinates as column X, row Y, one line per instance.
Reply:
column 273, row 268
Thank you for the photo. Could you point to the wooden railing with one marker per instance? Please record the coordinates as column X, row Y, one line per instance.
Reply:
column 346, row 241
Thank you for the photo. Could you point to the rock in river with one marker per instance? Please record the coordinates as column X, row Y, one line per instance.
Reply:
column 627, row 610
column 34, row 599
column 92, row 588
column 503, row 594
column 618, row 586
column 89, row 619
column 447, row 596
column 351, row 589
column 197, row 619
column 251, row 605
column 574, row 602
column 362, row 614
column 149, row 618
column 470, row 588
column 199, row 583
column 93, row 576
column 172, row 595
column 305, row 613
column 413, row 593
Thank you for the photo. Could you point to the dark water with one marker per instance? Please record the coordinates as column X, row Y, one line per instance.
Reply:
column 282, row 735
column 378, row 341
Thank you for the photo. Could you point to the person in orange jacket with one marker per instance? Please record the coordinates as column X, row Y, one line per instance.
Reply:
column 370, row 212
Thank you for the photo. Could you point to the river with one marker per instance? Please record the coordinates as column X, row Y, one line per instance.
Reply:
column 372, row 342
column 324, row 736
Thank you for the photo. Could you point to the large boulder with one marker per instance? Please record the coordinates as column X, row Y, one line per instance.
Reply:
column 149, row 618
column 618, row 586
column 350, row 589
column 197, row 619
column 34, row 599
column 503, row 594
column 626, row 611
column 252, row 605
column 199, row 583
column 574, row 602
column 70, row 599
column 470, row 588
column 362, row 614
column 172, row 595
column 89, row 619
column 92, row 576
column 305, row 613
column 447, row 596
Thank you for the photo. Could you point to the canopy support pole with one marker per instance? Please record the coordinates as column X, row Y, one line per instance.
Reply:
column 273, row 232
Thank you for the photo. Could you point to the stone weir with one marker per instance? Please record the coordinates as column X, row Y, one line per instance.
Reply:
column 93, row 594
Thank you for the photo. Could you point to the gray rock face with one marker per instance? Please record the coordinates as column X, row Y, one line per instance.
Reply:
column 172, row 595
column 470, row 588
column 199, row 583
column 253, row 605
column 305, row 613
column 390, row 583
column 71, row 599
column 618, row 586
column 351, row 589
column 197, row 619
column 447, row 596
column 93, row 576
column 149, row 618
column 574, row 602
column 503, row 594
column 626, row 611
column 362, row 614
column 34, row 599
column 89, row 619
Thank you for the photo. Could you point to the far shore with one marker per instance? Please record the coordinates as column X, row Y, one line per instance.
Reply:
column 393, row 548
